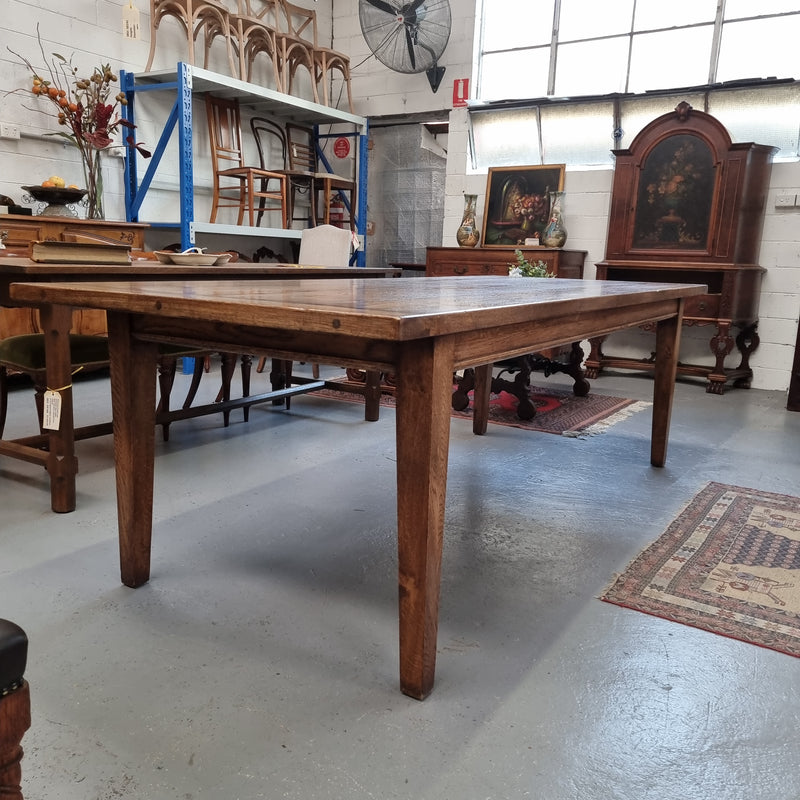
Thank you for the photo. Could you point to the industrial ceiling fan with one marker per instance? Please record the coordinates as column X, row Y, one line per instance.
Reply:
column 407, row 36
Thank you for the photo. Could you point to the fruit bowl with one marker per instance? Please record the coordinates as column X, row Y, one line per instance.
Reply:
column 54, row 195
column 56, row 199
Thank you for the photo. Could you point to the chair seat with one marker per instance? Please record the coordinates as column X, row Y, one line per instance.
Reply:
column 13, row 656
column 26, row 353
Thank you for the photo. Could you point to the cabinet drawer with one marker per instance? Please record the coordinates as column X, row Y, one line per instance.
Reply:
column 703, row 306
column 21, row 235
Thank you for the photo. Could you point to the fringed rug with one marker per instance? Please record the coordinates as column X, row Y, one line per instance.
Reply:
column 557, row 411
column 729, row 564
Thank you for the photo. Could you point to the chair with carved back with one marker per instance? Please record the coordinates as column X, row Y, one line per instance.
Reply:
column 207, row 18
column 328, row 187
column 237, row 185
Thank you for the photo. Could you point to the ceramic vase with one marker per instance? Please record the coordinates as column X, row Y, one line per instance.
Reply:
column 468, row 234
column 555, row 232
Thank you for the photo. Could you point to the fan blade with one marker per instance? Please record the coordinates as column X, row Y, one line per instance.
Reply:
column 410, row 46
column 383, row 6
column 414, row 6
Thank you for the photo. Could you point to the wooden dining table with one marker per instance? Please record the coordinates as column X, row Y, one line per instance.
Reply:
column 419, row 330
column 55, row 449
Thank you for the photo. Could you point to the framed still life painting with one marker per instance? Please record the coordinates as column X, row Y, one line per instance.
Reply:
column 517, row 203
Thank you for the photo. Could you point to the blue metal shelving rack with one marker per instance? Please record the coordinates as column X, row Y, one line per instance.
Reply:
column 188, row 81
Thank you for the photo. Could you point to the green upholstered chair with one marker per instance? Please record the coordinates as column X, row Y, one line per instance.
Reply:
column 26, row 354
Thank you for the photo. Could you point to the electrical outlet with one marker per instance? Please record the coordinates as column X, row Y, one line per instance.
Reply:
column 9, row 130
column 784, row 201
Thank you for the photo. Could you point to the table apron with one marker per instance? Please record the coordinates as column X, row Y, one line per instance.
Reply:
column 507, row 341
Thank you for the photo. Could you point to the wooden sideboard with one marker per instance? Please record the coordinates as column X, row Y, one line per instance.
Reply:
column 21, row 231
column 447, row 261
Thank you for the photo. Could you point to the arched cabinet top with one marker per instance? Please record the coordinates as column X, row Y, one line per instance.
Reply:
column 684, row 191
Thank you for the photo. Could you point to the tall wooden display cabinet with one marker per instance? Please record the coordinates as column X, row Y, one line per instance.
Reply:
column 687, row 206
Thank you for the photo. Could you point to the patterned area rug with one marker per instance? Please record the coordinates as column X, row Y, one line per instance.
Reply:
column 729, row 564
column 557, row 411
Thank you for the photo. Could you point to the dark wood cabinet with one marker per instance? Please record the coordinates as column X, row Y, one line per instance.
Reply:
column 446, row 261
column 687, row 206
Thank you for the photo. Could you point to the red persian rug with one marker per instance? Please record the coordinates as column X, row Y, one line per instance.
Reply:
column 729, row 564
column 557, row 411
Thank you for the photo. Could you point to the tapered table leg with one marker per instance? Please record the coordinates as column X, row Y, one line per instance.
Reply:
column 668, row 340
column 133, row 396
column 424, row 386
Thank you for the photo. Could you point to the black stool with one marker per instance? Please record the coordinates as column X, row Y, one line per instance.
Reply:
column 15, row 707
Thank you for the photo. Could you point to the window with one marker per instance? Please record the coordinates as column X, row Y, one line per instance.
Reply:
column 574, row 47
column 545, row 70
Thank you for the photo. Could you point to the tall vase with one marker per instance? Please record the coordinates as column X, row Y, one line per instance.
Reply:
column 93, row 173
column 468, row 234
column 555, row 232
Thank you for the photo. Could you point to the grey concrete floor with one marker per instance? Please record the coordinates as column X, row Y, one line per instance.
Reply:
column 261, row 659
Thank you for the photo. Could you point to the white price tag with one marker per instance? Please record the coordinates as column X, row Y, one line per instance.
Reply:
column 52, row 411
column 130, row 21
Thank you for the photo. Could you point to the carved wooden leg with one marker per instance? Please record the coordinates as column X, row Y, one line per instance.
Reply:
column 721, row 346
column 747, row 343
column 246, row 368
column 167, row 366
column 15, row 719
column 594, row 363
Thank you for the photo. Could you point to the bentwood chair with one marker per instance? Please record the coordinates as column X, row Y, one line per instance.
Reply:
column 15, row 707
column 250, row 190
column 301, row 23
column 257, row 35
column 207, row 18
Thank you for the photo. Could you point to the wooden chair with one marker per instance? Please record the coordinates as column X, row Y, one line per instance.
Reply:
column 270, row 139
column 301, row 23
column 209, row 18
column 235, row 184
column 15, row 707
column 303, row 156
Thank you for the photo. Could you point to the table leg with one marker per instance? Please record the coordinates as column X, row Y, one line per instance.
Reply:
column 668, row 340
column 62, row 465
column 133, row 398
column 424, row 386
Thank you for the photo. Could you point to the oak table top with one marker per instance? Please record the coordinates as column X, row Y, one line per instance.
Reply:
column 419, row 330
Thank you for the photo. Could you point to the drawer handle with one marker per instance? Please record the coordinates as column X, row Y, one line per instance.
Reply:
column 460, row 270
column 702, row 306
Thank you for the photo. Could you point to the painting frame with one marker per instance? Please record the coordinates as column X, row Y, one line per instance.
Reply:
column 517, row 204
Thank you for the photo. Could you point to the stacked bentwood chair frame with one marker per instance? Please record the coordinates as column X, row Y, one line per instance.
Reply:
column 286, row 33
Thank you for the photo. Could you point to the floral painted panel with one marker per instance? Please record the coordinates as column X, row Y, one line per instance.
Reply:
column 676, row 190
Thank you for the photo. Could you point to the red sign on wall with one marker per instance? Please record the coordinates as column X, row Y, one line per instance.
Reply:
column 341, row 147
